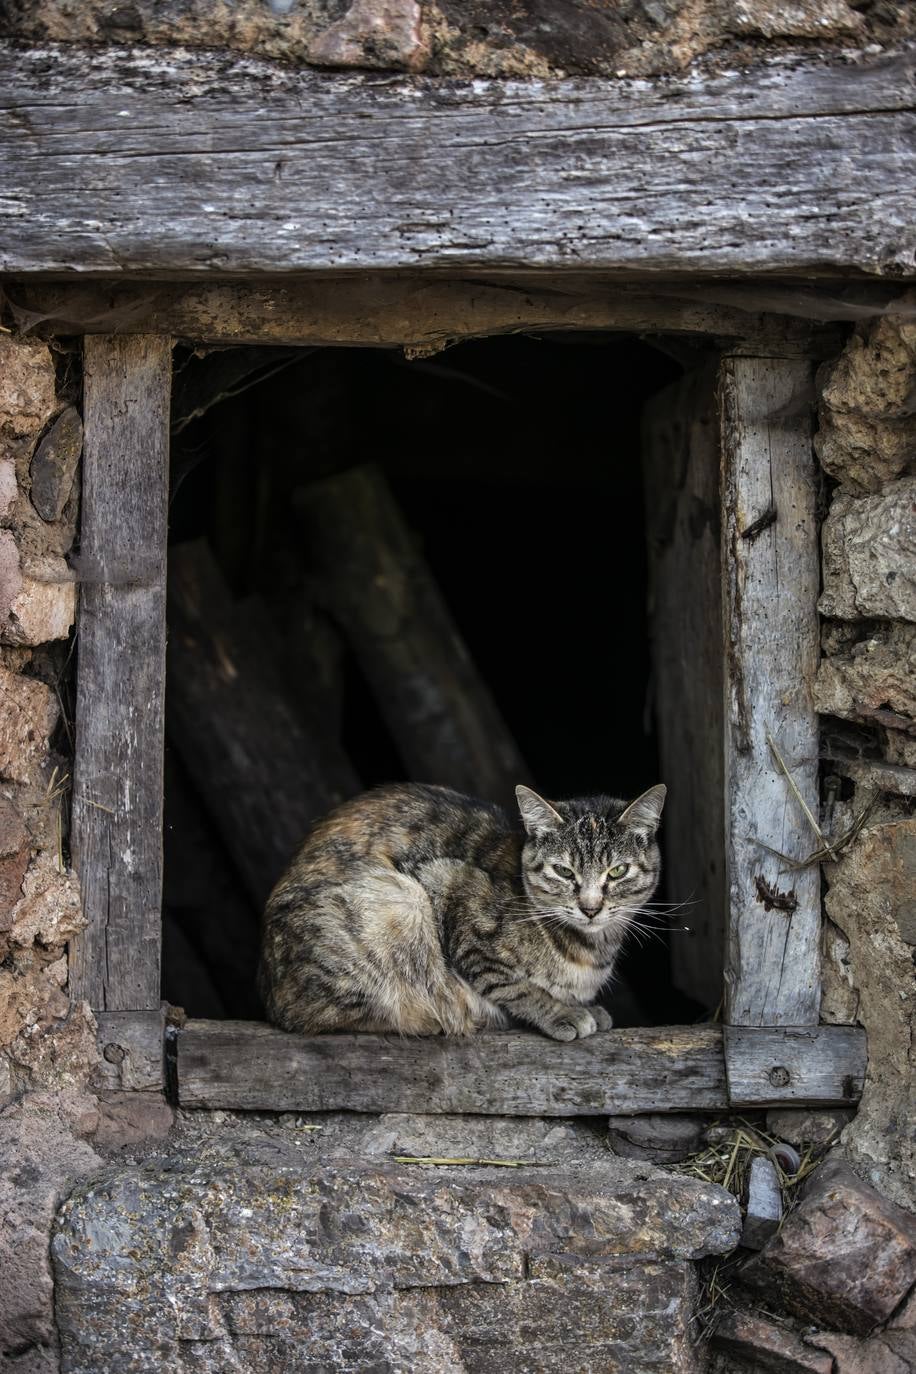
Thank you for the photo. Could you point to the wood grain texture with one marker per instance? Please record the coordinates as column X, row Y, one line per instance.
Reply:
column 771, row 580
column 264, row 772
column 116, row 830
column 380, row 591
column 428, row 311
column 767, row 1067
column 251, row 1066
column 681, row 472
column 169, row 161
column 131, row 1044
column 255, row 1067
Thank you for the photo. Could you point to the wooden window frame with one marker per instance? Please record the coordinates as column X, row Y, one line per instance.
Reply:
column 547, row 203
column 769, row 1050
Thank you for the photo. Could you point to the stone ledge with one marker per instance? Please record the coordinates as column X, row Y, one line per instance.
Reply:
column 214, row 1258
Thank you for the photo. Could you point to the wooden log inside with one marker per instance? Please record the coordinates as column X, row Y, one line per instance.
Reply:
column 824, row 1064
column 430, row 694
column 771, row 578
column 681, row 468
column 262, row 773
column 252, row 1066
column 117, row 796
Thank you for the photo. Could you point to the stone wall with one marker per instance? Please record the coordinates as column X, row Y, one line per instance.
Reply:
column 503, row 38
column 866, row 688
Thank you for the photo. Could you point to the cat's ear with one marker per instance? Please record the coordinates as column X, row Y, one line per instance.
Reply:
column 644, row 814
column 538, row 816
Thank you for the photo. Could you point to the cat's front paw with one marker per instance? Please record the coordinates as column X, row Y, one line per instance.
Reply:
column 603, row 1019
column 572, row 1023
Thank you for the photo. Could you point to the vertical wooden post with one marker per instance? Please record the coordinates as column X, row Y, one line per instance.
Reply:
column 770, row 587
column 117, row 797
column 681, row 467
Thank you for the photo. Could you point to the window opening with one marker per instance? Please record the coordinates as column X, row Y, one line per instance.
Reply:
column 515, row 465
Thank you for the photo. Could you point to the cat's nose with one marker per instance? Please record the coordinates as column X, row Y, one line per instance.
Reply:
column 590, row 909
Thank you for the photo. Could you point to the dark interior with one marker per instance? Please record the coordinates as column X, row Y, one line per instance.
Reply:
column 515, row 462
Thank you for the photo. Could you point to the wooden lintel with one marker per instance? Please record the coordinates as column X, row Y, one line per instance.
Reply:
column 252, row 1066
column 170, row 161
column 116, row 829
column 427, row 311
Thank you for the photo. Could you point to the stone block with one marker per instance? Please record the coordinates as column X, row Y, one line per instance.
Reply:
column 27, row 395
column 663, row 1139
column 867, row 434
column 845, row 1258
column 801, row 1126
column 15, row 847
column 28, row 717
column 130, row 1119
column 49, row 910
column 481, row 1137
column 793, row 18
column 870, row 890
column 43, row 605
column 54, row 464
column 374, row 33
column 767, row 1346
column 854, row 1355
column 40, row 1155
column 764, row 1204
column 869, row 554
column 875, row 680
column 337, row 1247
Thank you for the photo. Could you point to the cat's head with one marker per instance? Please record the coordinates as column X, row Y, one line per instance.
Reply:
column 593, row 862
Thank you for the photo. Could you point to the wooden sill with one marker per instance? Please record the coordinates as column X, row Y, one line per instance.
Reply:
column 252, row 1066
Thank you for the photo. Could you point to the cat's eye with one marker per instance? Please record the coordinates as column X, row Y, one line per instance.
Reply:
column 617, row 871
column 562, row 871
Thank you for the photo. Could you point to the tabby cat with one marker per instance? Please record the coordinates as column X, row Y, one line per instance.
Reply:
column 417, row 910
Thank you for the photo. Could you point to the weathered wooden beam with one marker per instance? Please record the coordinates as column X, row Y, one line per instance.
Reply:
column 681, row 474
column 798, row 1064
column 379, row 589
column 427, row 311
column 770, row 588
column 251, row 1066
column 116, row 830
column 515, row 1073
column 133, row 163
column 262, row 772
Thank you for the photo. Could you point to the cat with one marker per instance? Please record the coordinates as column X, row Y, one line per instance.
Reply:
column 417, row 910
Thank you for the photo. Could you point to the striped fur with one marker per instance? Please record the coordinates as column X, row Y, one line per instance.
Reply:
column 417, row 910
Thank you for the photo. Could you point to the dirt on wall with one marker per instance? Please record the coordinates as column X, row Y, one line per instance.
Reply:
column 466, row 38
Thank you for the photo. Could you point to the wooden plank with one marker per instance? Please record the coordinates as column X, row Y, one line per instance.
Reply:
column 131, row 1045
column 799, row 1064
column 770, row 588
column 254, row 1067
column 262, row 770
column 133, row 162
column 681, row 474
column 116, row 830
column 380, row 590
column 425, row 311
column 251, row 1066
